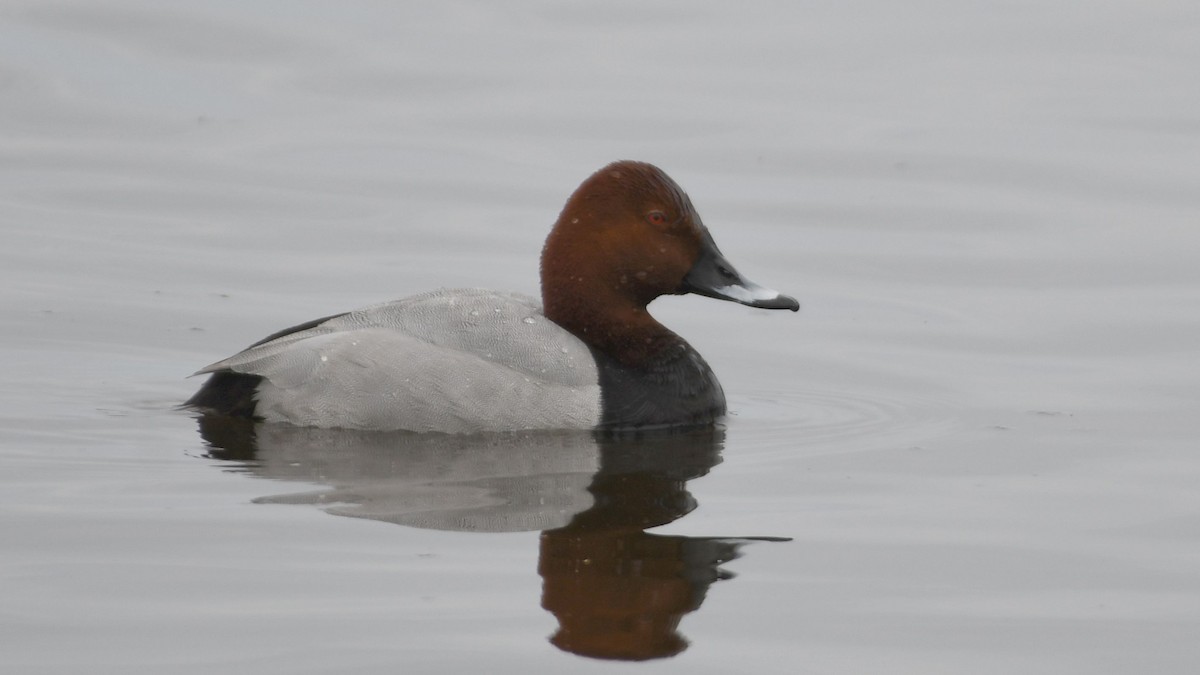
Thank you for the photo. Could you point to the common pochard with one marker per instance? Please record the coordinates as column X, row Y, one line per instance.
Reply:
column 589, row 356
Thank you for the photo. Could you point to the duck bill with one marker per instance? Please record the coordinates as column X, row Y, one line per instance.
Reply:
column 712, row 276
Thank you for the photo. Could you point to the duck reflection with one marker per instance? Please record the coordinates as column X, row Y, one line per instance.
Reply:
column 617, row 591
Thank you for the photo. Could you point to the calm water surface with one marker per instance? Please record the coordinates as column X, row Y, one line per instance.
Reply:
column 973, row 451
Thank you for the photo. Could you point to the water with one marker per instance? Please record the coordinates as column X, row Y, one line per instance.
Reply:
column 972, row 451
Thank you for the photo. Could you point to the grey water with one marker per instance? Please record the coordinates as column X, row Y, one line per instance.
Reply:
column 974, row 449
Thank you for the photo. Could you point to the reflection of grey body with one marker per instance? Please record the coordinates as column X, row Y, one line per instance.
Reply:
column 519, row 481
column 618, row 591
column 493, row 483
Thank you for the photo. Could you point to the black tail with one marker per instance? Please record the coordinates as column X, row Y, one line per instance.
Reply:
column 227, row 393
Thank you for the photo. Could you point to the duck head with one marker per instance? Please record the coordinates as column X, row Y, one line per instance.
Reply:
column 627, row 235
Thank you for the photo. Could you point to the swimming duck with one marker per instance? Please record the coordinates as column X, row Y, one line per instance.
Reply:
column 588, row 356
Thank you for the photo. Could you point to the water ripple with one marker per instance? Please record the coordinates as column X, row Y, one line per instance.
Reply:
column 831, row 420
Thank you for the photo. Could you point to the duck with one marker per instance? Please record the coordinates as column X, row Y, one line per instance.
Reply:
column 588, row 356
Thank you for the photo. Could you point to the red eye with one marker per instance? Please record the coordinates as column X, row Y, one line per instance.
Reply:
column 656, row 218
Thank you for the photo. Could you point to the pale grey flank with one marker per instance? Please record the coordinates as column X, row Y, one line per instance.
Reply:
column 452, row 360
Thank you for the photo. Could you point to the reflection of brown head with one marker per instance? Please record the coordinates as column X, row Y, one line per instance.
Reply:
column 618, row 592
column 617, row 595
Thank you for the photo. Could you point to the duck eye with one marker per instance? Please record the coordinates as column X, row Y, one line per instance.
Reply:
column 656, row 218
